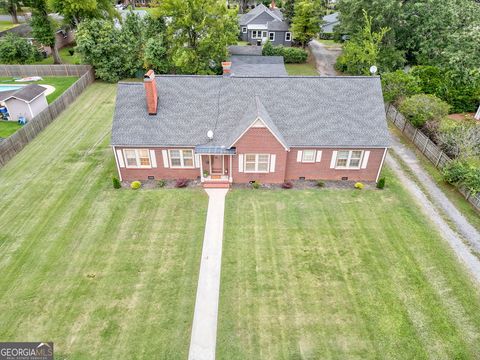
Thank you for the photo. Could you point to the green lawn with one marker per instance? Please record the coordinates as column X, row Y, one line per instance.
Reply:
column 7, row 128
column 341, row 274
column 61, row 83
column 103, row 273
column 64, row 55
column 242, row 43
column 5, row 25
column 306, row 69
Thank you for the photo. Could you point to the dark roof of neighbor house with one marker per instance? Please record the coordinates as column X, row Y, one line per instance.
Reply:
column 245, row 50
column 258, row 65
column 277, row 25
column 329, row 21
column 307, row 111
column 259, row 9
column 26, row 93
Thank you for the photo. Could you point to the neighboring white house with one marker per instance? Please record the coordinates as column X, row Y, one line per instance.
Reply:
column 477, row 115
column 26, row 102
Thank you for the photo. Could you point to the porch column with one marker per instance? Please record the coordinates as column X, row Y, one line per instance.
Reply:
column 230, row 170
column 202, row 179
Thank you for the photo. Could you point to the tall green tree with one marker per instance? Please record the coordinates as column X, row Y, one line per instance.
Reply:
column 44, row 28
column 99, row 43
column 363, row 50
column 289, row 9
column 75, row 11
column 12, row 7
column 199, row 33
column 429, row 32
column 132, row 40
column 306, row 21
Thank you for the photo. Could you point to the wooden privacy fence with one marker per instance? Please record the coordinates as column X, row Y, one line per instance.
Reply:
column 44, row 70
column 12, row 145
column 431, row 151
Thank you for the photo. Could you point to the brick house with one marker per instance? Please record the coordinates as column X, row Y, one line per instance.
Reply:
column 227, row 129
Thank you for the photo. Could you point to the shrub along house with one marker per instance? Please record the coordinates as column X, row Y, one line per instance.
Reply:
column 224, row 129
column 262, row 24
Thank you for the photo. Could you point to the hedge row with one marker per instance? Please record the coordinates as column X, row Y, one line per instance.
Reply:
column 291, row 55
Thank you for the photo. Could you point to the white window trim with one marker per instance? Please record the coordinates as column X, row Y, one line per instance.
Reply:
column 348, row 167
column 266, row 34
column 244, row 29
column 258, row 34
column 137, row 159
column 256, row 171
column 309, row 161
column 289, row 35
column 269, row 36
column 182, row 160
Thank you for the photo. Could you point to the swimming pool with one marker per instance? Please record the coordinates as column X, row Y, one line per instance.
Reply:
column 9, row 87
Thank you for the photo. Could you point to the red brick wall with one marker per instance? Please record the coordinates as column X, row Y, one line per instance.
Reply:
column 260, row 141
column 160, row 172
column 321, row 170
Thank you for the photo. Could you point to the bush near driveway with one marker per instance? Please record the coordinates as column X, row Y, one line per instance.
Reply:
column 419, row 109
column 398, row 85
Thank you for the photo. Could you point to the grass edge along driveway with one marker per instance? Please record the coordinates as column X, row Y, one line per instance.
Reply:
column 102, row 273
column 338, row 274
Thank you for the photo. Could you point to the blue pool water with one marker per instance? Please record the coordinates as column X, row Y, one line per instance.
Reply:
column 9, row 87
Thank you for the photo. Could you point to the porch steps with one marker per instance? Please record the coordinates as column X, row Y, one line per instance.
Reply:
column 216, row 185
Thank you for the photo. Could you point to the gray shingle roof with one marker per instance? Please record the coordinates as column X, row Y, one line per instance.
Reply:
column 254, row 111
column 25, row 93
column 245, row 50
column 252, row 14
column 307, row 111
column 277, row 25
column 258, row 66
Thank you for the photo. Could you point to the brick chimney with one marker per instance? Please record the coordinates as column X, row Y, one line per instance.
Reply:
column 226, row 65
column 150, row 92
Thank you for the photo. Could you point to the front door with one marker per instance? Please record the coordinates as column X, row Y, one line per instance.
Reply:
column 217, row 166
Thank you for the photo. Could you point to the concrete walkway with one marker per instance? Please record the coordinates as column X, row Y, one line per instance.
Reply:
column 462, row 250
column 204, row 328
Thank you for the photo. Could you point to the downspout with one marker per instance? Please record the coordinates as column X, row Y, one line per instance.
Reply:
column 381, row 164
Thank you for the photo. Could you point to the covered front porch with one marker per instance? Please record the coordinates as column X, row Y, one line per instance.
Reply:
column 215, row 164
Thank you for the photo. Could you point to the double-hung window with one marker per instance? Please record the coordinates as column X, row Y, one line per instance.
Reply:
column 349, row 159
column 271, row 36
column 308, row 156
column 181, row 158
column 288, row 36
column 257, row 163
column 264, row 34
column 137, row 158
column 256, row 34
column 244, row 29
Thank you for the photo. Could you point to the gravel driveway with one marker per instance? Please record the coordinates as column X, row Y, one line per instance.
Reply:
column 459, row 233
column 325, row 57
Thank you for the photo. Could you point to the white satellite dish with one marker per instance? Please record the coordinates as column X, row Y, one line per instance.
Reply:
column 373, row 70
column 210, row 134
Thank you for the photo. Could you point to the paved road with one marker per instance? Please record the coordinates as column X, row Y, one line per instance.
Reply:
column 204, row 328
column 325, row 57
column 463, row 238
column 4, row 17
